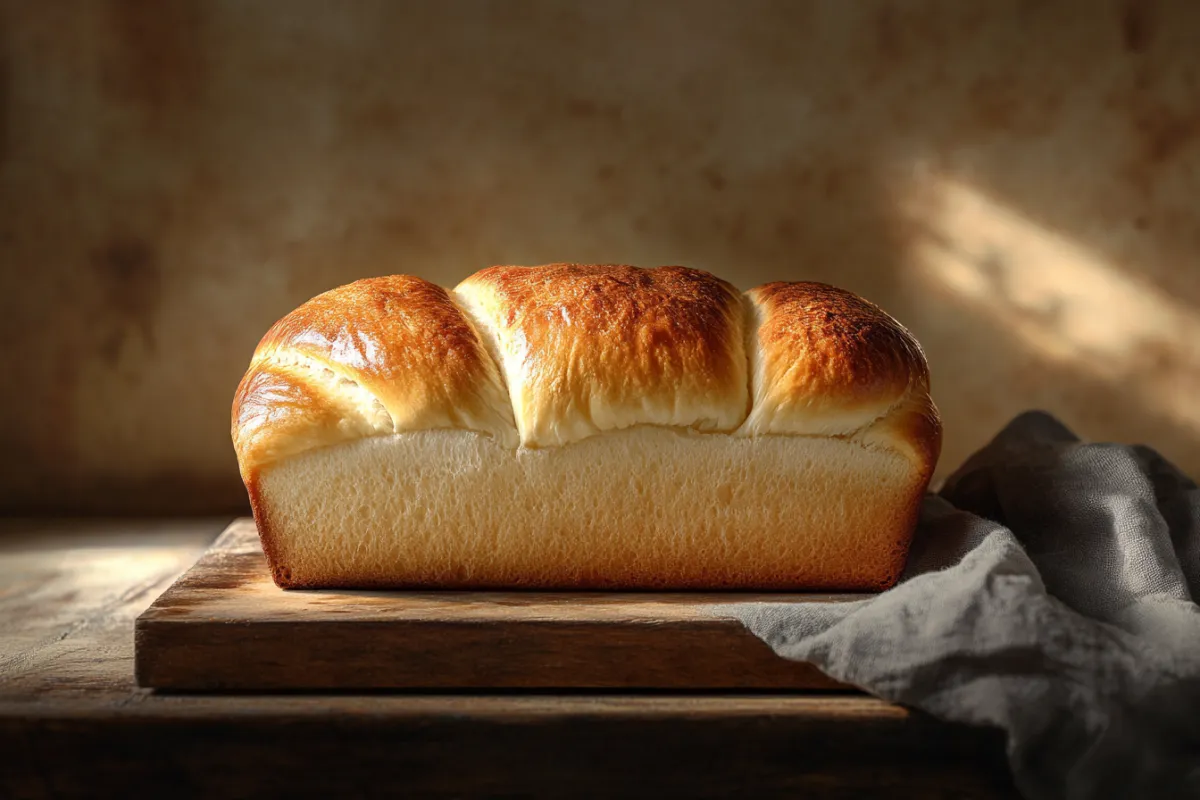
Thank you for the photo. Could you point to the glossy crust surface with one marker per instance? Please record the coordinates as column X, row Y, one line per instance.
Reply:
column 377, row 356
column 590, row 348
column 827, row 361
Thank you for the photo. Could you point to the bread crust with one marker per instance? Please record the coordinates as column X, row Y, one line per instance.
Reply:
column 547, row 357
column 590, row 348
column 830, row 362
column 374, row 357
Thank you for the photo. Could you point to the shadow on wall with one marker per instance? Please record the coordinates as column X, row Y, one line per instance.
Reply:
column 1015, row 182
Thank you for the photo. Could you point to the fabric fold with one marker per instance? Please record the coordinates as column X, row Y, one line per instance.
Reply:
column 1049, row 592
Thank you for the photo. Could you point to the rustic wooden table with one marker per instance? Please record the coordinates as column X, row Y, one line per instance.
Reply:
column 72, row 723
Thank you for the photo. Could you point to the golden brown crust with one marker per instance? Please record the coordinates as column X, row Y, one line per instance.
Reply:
column 584, row 348
column 379, row 355
column 828, row 361
column 266, row 533
column 279, row 412
column 589, row 348
column 913, row 428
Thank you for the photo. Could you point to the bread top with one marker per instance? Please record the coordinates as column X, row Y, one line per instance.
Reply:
column 585, row 349
column 827, row 362
column 546, row 356
column 377, row 356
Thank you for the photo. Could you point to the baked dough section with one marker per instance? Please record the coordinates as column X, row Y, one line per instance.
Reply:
column 588, row 349
column 379, row 356
column 646, row 507
column 586, row 427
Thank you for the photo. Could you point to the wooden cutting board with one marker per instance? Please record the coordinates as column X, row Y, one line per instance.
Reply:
column 225, row 626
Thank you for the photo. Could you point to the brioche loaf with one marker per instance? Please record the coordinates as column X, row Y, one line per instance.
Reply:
column 586, row 427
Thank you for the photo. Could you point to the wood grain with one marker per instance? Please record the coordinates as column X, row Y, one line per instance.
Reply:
column 618, row 747
column 226, row 626
column 73, row 724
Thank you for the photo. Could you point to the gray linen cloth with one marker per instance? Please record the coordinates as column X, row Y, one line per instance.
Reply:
column 1049, row 592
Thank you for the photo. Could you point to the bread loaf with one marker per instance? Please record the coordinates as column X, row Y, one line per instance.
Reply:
column 586, row 427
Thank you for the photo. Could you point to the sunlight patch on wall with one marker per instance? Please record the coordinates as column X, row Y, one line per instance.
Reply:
column 1056, row 297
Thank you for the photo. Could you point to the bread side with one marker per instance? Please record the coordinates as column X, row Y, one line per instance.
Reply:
column 643, row 508
column 595, row 427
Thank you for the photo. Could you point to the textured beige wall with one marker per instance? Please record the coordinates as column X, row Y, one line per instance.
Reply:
column 1016, row 181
